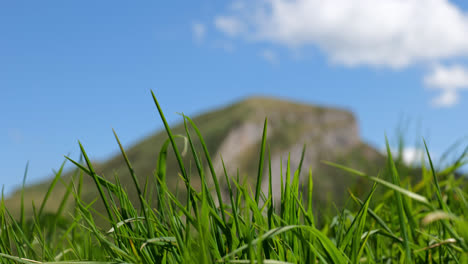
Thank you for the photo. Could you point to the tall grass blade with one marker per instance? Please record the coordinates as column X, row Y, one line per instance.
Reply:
column 22, row 218
column 260, row 163
column 137, row 185
column 98, row 184
column 399, row 203
column 51, row 187
column 210, row 165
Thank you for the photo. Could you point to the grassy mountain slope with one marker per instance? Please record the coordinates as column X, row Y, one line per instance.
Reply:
column 235, row 132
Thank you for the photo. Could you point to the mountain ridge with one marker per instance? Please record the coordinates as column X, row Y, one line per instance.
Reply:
column 234, row 132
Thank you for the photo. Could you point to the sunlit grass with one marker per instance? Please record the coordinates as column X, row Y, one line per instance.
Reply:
column 396, row 222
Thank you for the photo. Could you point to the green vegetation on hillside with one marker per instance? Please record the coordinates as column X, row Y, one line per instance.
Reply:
column 397, row 220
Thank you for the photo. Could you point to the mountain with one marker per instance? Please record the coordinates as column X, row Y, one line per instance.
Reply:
column 234, row 133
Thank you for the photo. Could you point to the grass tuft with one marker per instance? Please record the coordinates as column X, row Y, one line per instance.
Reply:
column 422, row 220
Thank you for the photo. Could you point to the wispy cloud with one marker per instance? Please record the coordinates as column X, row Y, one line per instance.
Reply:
column 238, row 5
column 198, row 31
column 227, row 46
column 270, row 56
column 231, row 26
column 449, row 80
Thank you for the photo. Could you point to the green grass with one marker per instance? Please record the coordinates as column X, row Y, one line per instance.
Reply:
column 399, row 220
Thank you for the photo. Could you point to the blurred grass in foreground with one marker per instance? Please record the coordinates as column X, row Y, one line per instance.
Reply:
column 402, row 223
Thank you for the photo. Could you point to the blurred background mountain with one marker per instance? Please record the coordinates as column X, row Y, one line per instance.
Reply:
column 234, row 134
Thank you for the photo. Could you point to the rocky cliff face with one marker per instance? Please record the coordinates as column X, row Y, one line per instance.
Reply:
column 327, row 133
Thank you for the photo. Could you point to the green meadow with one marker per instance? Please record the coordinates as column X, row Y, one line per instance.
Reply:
column 398, row 218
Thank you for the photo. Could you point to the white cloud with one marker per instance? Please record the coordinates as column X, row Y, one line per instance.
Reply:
column 449, row 80
column 231, row 26
column 383, row 33
column 413, row 155
column 198, row 31
column 269, row 56
column 390, row 33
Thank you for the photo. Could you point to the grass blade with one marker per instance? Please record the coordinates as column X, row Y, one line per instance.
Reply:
column 22, row 219
column 260, row 163
column 399, row 202
column 389, row 185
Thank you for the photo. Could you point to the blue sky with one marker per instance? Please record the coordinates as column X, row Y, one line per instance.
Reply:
column 72, row 70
